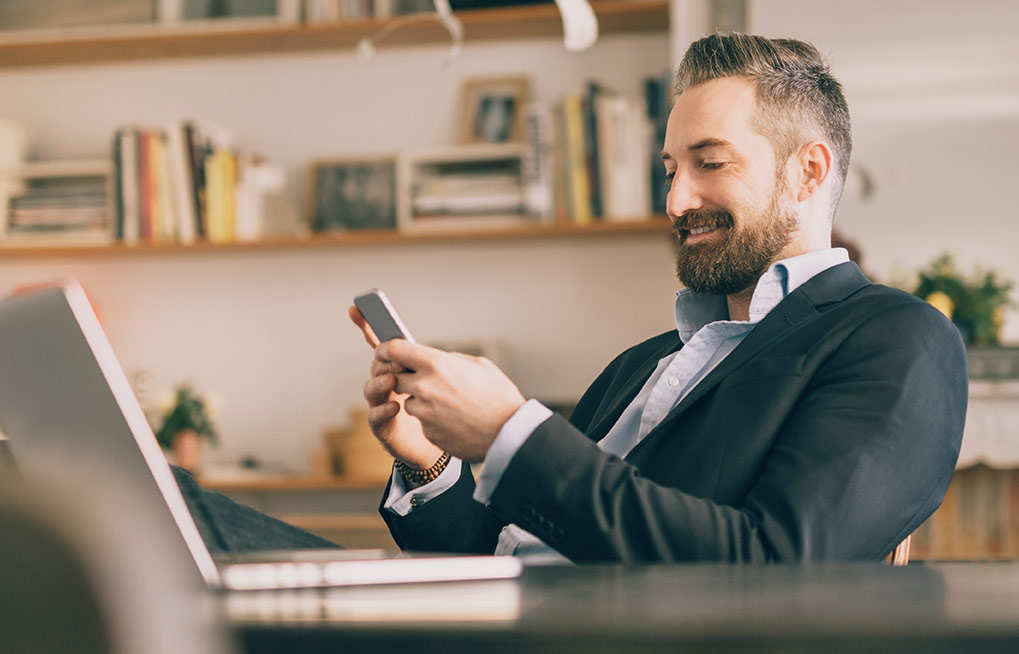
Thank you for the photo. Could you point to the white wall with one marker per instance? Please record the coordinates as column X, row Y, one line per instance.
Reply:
column 268, row 330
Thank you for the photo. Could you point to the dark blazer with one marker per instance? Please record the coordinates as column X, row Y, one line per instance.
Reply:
column 830, row 433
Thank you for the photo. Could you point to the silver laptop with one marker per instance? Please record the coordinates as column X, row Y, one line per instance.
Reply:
column 64, row 396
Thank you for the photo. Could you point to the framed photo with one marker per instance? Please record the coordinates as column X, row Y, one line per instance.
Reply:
column 354, row 194
column 33, row 14
column 492, row 109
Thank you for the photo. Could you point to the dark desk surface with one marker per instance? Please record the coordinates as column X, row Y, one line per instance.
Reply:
column 839, row 608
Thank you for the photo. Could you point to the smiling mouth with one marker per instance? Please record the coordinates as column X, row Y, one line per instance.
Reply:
column 698, row 234
column 703, row 230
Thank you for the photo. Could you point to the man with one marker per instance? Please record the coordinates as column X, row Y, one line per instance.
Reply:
column 797, row 413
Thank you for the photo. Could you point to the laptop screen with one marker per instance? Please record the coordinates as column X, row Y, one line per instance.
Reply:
column 65, row 401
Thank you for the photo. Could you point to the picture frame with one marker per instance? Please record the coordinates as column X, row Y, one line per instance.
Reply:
column 354, row 194
column 64, row 14
column 492, row 109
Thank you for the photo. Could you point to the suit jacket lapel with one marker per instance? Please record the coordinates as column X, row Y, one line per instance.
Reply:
column 604, row 421
column 831, row 285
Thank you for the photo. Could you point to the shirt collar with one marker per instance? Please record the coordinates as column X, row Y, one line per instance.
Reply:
column 695, row 310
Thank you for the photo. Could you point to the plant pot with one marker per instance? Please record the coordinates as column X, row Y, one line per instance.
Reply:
column 187, row 450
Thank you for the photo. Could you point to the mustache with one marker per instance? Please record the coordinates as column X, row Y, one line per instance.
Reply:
column 697, row 219
column 681, row 226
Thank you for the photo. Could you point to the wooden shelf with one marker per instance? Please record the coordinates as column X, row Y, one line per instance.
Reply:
column 655, row 226
column 213, row 39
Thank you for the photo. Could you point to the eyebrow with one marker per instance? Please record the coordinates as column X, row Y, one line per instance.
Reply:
column 701, row 145
column 709, row 143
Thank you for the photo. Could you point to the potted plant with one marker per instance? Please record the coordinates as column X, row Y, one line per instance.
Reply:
column 975, row 305
column 185, row 422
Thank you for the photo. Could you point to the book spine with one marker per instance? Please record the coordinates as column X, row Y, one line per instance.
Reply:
column 591, row 148
column 221, row 174
column 536, row 165
column 608, row 160
column 131, row 186
column 576, row 163
column 164, row 221
column 656, row 98
column 641, row 160
column 180, row 180
column 117, row 194
column 229, row 195
column 145, row 186
column 196, row 167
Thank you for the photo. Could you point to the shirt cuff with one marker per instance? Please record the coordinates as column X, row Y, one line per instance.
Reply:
column 402, row 501
column 511, row 437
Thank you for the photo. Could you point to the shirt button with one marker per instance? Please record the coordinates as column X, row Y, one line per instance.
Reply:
column 673, row 381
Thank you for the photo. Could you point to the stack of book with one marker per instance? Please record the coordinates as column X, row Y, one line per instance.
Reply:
column 187, row 183
column 62, row 203
column 472, row 186
column 331, row 11
column 481, row 190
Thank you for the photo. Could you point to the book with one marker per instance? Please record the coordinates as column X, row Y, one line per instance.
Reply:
column 117, row 186
column 196, row 150
column 164, row 219
column 536, row 166
column 221, row 175
column 658, row 104
column 145, row 186
column 579, row 190
column 560, row 170
column 129, row 222
column 180, row 191
column 591, row 147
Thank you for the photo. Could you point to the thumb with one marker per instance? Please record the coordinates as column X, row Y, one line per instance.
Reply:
column 362, row 324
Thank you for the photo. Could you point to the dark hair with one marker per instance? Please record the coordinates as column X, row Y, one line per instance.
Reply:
column 798, row 100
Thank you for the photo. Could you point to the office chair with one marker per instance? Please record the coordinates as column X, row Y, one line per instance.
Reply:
column 900, row 555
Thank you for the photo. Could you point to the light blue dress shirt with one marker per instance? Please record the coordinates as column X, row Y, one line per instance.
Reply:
column 708, row 337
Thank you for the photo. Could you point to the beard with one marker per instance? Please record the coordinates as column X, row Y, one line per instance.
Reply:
column 732, row 262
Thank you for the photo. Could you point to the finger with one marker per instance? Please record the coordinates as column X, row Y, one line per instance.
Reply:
column 381, row 414
column 385, row 367
column 377, row 389
column 358, row 319
column 412, row 356
column 406, row 383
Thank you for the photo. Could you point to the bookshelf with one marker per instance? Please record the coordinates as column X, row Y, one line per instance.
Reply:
column 245, row 37
column 651, row 226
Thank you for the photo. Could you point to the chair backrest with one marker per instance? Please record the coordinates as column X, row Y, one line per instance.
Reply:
column 900, row 555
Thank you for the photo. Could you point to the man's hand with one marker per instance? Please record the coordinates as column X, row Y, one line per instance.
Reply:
column 399, row 433
column 461, row 401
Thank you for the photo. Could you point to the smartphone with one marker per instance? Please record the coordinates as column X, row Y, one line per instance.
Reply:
column 380, row 314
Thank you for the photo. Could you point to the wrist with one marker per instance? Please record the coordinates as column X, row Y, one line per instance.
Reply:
column 415, row 476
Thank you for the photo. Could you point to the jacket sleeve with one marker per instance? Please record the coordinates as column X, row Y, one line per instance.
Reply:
column 862, row 457
column 451, row 522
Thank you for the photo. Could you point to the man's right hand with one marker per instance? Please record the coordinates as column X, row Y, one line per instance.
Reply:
column 398, row 432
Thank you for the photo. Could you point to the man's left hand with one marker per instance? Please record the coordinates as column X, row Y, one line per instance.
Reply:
column 461, row 401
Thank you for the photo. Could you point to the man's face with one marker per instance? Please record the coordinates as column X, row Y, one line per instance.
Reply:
column 732, row 214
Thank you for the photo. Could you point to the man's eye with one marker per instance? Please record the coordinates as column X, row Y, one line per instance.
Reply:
column 712, row 165
column 668, row 178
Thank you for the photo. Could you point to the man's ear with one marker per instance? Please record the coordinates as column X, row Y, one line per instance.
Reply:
column 811, row 167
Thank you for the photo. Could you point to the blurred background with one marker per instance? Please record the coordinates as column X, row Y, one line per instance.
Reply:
column 259, row 328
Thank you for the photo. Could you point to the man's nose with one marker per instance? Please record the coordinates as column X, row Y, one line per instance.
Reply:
column 683, row 196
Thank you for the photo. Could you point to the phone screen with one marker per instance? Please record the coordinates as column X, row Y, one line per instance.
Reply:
column 380, row 314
